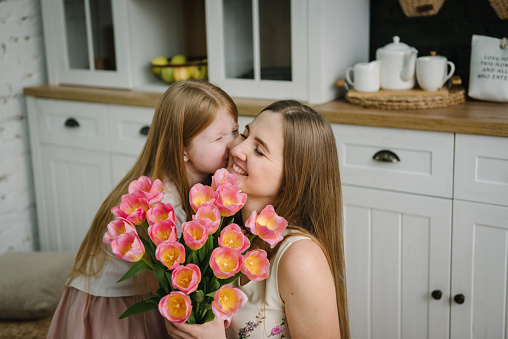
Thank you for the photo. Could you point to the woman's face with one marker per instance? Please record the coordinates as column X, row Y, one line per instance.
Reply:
column 257, row 159
column 209, row 150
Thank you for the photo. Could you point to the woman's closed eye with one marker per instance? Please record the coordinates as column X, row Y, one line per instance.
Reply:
column 258, row 151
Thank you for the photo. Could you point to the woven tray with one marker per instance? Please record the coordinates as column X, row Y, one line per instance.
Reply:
column 409, row 99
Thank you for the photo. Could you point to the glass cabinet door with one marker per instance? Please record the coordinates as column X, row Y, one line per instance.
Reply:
column 88, row 42
column 254, row 48
column 90, row 34
column 261, row 51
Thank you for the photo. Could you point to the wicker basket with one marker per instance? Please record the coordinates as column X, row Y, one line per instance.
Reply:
column 414, row 8
column 500, row 7
column 411, row 99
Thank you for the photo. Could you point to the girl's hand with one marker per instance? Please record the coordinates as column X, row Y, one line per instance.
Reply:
column 211, row 330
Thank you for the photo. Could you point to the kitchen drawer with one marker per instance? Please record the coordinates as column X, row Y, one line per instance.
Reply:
column 425, row 163
column 129, row 126
column 71, row 123
column 481, row 169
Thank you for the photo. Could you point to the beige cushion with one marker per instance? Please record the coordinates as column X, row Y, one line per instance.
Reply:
column 31, row 283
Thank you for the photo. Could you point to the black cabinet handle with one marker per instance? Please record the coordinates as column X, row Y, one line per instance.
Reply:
column 437, row 294
column 144, row 130
column 459, row 298
column 386, row 156
column 71, row 123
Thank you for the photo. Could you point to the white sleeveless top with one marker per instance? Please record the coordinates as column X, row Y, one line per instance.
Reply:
column 263, row 316
column 105, row 284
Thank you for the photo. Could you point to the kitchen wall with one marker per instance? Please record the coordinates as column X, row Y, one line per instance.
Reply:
column 22, row 64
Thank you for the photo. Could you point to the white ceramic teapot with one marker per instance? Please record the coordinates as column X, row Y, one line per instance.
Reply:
column 397, row 65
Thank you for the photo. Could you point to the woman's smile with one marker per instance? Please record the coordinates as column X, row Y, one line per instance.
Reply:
column 238, row 169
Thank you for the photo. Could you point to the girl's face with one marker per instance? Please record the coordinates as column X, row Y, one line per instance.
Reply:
column 209, row 150
column 257, row 159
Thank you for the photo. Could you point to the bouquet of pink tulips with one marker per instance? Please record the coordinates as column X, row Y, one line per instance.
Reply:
column 194, row 272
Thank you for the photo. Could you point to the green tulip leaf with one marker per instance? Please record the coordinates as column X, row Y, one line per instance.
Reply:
column 140, row 307
column 136, row 268
column 161, row 278
column 155, row 299
column 191, row 319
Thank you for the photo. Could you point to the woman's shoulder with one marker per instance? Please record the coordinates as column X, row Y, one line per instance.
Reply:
column 303, row 254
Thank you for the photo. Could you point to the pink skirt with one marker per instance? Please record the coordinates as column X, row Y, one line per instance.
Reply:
column 81, row 316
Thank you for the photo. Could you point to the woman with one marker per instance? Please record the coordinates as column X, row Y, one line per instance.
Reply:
column 192, row 127
column 287, row 157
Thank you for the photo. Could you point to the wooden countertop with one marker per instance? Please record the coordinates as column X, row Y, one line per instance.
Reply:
column 471, row 117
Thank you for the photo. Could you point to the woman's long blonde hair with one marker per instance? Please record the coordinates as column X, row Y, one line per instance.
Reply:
column 183, row 111
column 310, row 198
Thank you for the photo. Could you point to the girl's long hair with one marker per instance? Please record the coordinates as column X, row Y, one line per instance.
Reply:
column 310, row 198
column 183, row 111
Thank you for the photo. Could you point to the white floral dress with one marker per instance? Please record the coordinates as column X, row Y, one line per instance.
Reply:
column 263, row 316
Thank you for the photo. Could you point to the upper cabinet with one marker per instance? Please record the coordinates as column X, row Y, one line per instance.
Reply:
column 255, row 48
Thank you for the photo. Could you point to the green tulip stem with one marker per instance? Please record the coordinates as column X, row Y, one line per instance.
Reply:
column 147, row 262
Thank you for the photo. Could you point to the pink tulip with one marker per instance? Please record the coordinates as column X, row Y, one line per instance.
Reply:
column 200, row 194
column 153, row 190
column 229, row 199
column 160, row 211
column 176, row 307
column 116, row 228
column 228, row 300
column 162, row 230
column 135, row 205
column 128, row 247
column 232, row 236
column 222, row 176
column 256, row 265
column 267, row 225
column 211, row 214
column 186, row 278
column 194, row 233
column 117, row 211
column 170, row 253
column 225, row 262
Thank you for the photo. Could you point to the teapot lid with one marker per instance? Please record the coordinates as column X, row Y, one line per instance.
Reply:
column 396, row 45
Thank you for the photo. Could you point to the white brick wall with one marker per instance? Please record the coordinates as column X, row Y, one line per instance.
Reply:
column 22, row 64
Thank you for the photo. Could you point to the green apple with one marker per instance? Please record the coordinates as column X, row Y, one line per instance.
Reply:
column 167, row 74
column 181, row 73
column 158, row 61
column 178, row 59
column 194, row 72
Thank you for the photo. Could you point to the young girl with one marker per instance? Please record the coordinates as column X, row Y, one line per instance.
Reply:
column 287, row 157
column 192, row 127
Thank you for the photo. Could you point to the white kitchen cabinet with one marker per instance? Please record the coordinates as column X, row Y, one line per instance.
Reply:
column 480, row 238
column 285, row 49
column 109, row 43
column 80, row 151
column 255, row 48
column 479, row 271
column 402, row 249
column 76, row 182
column 397, row 249
column 397, row 189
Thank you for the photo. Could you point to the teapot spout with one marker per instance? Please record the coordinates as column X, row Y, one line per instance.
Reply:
column 408, row 70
